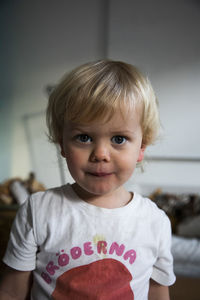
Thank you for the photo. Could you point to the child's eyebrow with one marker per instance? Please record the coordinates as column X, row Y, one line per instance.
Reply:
column 77, row 127
column 91, row 129
column 122, row 132
column 81, row 129
column 112, row 133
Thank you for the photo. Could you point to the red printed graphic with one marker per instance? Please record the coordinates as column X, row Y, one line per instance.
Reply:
column 106, row 279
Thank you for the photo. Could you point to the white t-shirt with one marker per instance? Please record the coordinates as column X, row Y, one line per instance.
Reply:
column 80, row 251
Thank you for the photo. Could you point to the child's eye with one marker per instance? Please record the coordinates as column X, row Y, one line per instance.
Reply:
column 83, row 138
column 118, row 139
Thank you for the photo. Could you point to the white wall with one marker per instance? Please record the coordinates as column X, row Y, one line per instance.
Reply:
column 44, row 39
column 162, row 38
column 41, row 41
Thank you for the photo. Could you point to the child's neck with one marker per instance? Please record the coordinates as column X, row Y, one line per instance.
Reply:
column 115, row 199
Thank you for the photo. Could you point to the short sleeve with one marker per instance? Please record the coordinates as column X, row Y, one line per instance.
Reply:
column 21, row 250
column 163, row 267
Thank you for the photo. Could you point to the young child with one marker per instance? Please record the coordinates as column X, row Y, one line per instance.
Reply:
column 94, row 239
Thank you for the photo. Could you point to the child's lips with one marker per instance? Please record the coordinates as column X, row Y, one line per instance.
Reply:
column 100, row 174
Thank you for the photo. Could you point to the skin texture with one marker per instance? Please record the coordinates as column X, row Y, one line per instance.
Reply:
column 158, row 292
column 15, row 284
column 101, row 157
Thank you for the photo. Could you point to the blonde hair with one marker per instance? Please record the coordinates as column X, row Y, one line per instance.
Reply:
column 94, row 91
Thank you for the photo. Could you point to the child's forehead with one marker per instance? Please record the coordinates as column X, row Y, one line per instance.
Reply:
column 119, row 121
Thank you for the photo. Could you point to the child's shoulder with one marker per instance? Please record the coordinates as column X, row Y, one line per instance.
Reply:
column 48, row 194
column 51, row 198
column 150, row 214
column 148, row 207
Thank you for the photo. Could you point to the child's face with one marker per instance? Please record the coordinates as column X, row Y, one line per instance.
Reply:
column 101, row 157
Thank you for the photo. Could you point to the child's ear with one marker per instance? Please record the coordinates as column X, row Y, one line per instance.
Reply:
column 62, row 149
column 141, row 153
column 62, row 152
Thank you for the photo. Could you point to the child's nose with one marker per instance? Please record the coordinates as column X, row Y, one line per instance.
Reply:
column 100, row 153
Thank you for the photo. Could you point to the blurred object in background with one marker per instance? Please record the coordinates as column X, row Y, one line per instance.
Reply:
column 16, row 190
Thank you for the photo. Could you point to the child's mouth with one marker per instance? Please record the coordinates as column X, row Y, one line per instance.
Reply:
column 99, row 174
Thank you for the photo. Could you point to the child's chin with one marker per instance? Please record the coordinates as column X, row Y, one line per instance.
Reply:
column 98, row 192
column 95, row 190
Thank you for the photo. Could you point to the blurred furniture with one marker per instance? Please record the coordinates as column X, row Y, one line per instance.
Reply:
column 7, row 215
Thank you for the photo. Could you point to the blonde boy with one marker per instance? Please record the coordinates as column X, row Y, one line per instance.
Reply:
column 94, row 239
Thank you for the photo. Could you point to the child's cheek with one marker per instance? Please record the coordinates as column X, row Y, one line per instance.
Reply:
column 76, row 157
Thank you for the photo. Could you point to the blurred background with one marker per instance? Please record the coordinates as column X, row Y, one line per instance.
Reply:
column 42, row 40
